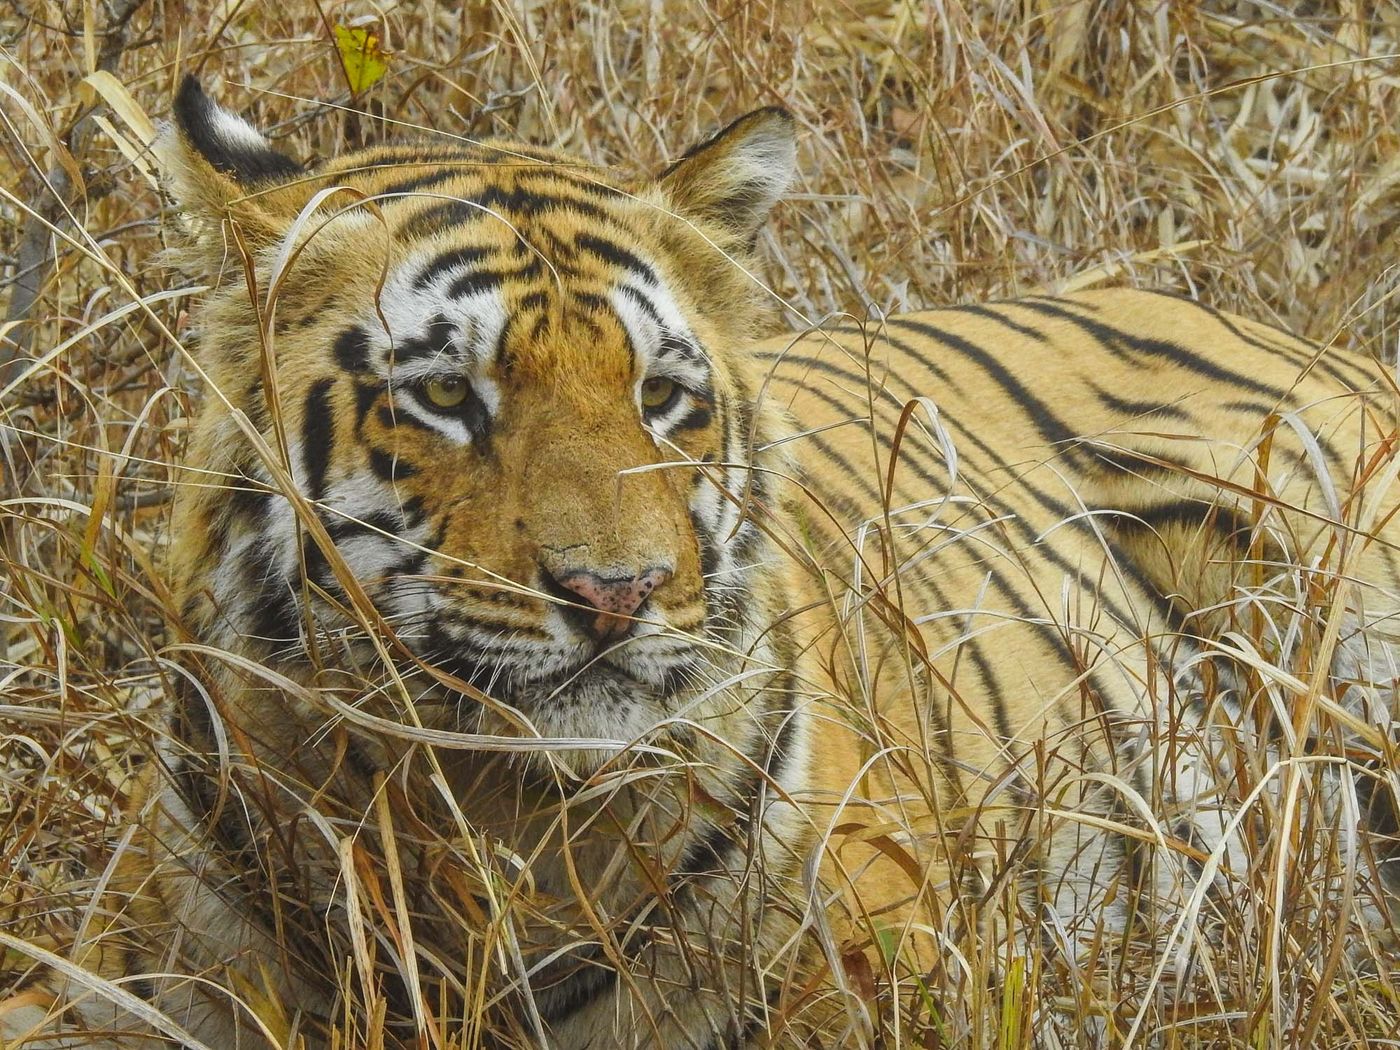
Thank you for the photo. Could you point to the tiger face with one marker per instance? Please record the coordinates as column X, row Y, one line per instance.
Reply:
column 508, row 402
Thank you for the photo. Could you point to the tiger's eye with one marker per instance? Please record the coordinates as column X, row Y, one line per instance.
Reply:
column 657, row 393
column 446, row 391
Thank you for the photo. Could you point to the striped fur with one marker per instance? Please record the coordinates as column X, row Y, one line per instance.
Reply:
column 968, row 619
column 1102, row 497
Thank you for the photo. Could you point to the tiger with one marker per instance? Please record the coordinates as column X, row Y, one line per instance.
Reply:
column 570, row 661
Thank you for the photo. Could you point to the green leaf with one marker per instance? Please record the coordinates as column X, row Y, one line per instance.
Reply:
column 1012, row 1003
column 90, row 562
column 364, row 61
column 887, row 941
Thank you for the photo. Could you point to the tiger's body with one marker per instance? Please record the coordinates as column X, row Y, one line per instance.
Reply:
column 1099, row 489
column 547, row 628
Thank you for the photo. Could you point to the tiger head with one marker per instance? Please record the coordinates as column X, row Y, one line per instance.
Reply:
column 492, row 399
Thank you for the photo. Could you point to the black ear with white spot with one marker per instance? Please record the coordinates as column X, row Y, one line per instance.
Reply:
column 732, row 180
column 229, row 144
column 219, row 169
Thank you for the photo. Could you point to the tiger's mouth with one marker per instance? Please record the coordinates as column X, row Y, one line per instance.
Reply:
column 518, row 681
column 595, row 700
column 552, row 683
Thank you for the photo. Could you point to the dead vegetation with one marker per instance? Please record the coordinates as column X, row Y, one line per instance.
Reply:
column 1247, row 153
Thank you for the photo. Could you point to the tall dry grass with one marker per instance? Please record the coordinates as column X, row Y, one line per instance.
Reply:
column 1247, row 153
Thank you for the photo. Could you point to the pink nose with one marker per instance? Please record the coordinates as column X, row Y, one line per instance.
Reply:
column 611, row 601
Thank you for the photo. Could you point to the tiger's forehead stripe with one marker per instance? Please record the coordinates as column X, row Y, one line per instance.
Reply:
column 404, row 169
column 472, row 278
column 460, row 257
column 460, row 202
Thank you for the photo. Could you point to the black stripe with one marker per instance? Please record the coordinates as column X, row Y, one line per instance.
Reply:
column 1257, row 409
column 1134, row 407
column 942, row 719
column 413, row 565
column 592, row 301
column 195, row 783
column 451, row 260
column 709, row 554
column 531, row 201
column 914, row 450
column 447, row 652
column 478, row 281
column 536, row 300
column 315, row 564
column 697, row 417
column 1127, row 461
column 436, row 340
column 992, row 686
column 366, row 394
column 388, row 467
column 1000, row 318
column 522, row 201
column 274, row 607
column 317, row 432
column 1111, row 336
column 1051, row 427
column 1051, row 310
column 374, row 523
column 407, row 187
column 706, row 854
column 588, row 977
column 1226, row 522
column 247, row 500
column 499, row 352
column 867, row 374
column 389, row 419
column 616, row 254
column 352, row 349
column 1134, row 852
column 738, row 412
column 142, row 987
column 786, row 687
column 539, row 330
column 1341, row 367
column 1059, row 299
column 439, row 217
column 256, row 405
column 644, row 304
column 555, row 178
column 850, row 475
column 489, row 205
column 680, row 347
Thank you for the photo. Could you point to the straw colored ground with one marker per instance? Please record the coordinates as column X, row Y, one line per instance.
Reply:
column 1247, row 153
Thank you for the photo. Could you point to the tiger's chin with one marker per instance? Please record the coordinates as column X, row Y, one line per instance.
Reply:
column 591, row 719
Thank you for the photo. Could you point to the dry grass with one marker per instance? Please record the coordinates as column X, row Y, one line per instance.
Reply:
column 1246, row 152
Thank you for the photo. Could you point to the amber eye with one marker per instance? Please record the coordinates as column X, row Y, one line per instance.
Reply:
column 658, row 393
column 446, row 391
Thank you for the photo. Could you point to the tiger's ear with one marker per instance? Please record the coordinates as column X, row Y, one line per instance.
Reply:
column 217, row 166
column 732, row 180
column 227, row 142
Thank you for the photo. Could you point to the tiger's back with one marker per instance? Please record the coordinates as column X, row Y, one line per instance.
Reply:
column 1053, row 527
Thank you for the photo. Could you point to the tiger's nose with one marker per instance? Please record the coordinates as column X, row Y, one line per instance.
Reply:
column 604, row 606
